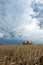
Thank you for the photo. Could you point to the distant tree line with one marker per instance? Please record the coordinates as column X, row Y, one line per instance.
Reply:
column 27, row 43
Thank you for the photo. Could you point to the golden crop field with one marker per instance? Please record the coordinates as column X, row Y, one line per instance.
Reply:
column 21, row 54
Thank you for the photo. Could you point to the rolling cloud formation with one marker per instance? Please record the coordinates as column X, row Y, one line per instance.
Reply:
column 21, row 20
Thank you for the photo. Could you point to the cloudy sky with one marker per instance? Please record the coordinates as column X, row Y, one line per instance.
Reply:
column 21, row 20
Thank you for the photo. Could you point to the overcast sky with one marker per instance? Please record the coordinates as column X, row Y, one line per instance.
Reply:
column 21, row 20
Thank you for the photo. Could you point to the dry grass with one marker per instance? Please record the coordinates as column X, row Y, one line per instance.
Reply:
column 21, row 55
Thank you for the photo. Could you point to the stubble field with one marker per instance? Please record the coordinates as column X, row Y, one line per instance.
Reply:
column 21, row 54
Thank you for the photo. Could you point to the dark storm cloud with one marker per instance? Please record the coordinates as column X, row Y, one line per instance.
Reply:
column 38, row 9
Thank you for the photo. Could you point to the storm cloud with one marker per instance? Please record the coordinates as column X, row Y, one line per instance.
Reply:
column 21, row 20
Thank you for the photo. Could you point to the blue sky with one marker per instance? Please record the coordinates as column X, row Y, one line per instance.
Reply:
column 21, row 20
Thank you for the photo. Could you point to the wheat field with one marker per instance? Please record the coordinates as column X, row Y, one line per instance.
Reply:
column 21, row 54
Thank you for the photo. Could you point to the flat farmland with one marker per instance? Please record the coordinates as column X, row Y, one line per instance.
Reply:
column 21, row 54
